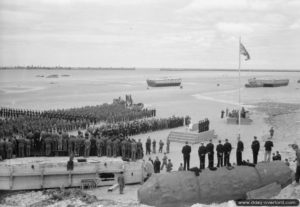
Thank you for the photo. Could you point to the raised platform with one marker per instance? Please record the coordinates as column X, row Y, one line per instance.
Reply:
column 191, row 137
column 234, row 120
column 51, row 172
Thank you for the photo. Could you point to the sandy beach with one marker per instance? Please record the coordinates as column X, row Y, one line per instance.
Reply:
column 200, row 98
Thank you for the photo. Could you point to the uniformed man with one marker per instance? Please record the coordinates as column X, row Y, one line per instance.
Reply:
column 168, row 145
column 21, row 145
column 87, row 146
column 77, row 145
column 201, row 154
column 255, row 149
column 148, row 146
column 98, row 145
column 186, row 151
column 210, row 154
column 154, row 146
column 115, row 147
column 121, row 182
column 227, row 150
column 220, row 154
column 140, row 149
column 108, row 148
column 9, row 149
column 133, row 150
column 123, row 148
column 71, row 145
column 161, row 145
column 48, row 142
column 28, row 147
column 2, row 148
column 239, row 151
column 59, row 142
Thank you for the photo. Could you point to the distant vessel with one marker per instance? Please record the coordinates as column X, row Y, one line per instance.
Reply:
column 253, row 82
column 52, row 76
column 164, row 82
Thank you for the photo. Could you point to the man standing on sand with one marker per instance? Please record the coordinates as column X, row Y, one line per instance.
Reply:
column 154, row 146
column 297, row 174
column 186, row 151
column 227, row 150
column 210, row 153
column 268, row 149
column 239, row 151
column 156, row 165
column 201, row 153
column 271, row 132
column 255, row 149
column 121, row 182
column 161, row 145
column 219, row 154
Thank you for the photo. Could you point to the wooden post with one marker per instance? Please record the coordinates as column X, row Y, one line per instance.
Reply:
column 11, row 177
column 42, row 176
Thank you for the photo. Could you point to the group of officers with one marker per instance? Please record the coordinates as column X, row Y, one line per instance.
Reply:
column 52, row 143
column 223, row 152
column 203, row 125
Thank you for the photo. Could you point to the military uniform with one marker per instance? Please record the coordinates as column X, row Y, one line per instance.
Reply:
column 87, row 147
column 133, row 150
column 201, row 153
column 21, row 147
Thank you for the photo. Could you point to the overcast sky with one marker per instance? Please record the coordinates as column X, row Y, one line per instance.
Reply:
column 150, row 33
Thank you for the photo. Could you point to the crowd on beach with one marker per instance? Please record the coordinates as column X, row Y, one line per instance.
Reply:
column 25, row 133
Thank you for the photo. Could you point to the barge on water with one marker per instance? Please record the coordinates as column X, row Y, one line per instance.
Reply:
column 51, row 172
column 254, row 82
column 164, row 82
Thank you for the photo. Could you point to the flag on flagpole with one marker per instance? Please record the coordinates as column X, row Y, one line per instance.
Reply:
column 244, row 52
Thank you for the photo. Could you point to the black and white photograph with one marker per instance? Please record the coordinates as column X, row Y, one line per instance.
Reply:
column 149, row 103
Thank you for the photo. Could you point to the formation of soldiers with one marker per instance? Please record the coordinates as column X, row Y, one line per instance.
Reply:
column 53, row 143
column 42, row 138
column 131, row 128
column 203, row 125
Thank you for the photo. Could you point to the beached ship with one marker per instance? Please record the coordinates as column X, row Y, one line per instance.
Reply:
column 164, row 82
column 51, row 172
column 254, row 82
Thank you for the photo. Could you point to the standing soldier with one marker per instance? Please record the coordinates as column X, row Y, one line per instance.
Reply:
column 59, row 142
column 65, row 139
column 77, row 145
column 271, row 132
column 210, row 154
column 201, row 153
column 164, row 161
column 71, row 145
column 108, row 147
column 239, row 150
column 2, row 148
column 98, row 145
column 48, row 142
column 139, row 149
column 220, row 154
column 161, row 145
column 227, row 150
column 133, row 150
column 255, row 149
column 28, row 147
column 121, row 182
column 148, row 145
column 168, row 145
column 123, row 148
column 154, row 146
column 186, row 151
column 128, row 148
column 87, row 146
column 21, row 146
column 9, row 149
column 268, row 149
column 115, row 147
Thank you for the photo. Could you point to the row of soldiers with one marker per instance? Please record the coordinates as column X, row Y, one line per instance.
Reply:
column 140, row 126
column 53, row 143
column 119, row 110
column 161, row 145
column 203, row 125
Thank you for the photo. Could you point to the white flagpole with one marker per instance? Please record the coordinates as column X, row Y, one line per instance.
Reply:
column 239, row 121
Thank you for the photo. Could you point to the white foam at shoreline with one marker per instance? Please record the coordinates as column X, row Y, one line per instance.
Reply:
column 13, row 89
